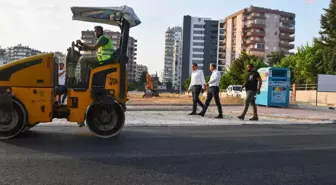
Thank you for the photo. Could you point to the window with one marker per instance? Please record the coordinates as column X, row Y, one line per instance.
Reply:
column 197, row 56
column 198, row 38
column 259, row 21
column 199, row 32
column 259, row 46
column 198, row 50
column 199, row 26
column 198, row 43
column 197, row 61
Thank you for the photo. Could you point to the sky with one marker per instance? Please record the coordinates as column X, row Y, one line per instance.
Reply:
column 47, row 25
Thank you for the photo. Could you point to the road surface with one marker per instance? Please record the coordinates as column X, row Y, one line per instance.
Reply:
column 249, row 154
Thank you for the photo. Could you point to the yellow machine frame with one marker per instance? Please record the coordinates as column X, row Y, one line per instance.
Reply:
column 28, row 88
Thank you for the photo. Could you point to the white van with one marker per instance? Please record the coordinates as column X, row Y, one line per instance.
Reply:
column 234, row 91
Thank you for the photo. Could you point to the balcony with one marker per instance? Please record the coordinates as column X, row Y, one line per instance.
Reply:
column 287, row 38
column 221, row 50
column 222, row 56
column 287, row 29
column 255, row 33
column 257, row 52
column 286, row 45
column 254, row 41
column 221, row 62
column 287, row 20
column 221, row 44
column 256, row 16
column 256, row 49
column 255, row 24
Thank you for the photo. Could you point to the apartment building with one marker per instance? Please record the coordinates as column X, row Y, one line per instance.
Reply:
column 200, row 37
column 2, row 56
column 172, row 40
column 258, row 31
column 177, row 60
column 19, row 52
column 210, row 44
column 88, row 37
column 161, row 75
column 60, row 57
column 139, row 70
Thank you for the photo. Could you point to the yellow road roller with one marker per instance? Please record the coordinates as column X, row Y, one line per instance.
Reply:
column 28, row 87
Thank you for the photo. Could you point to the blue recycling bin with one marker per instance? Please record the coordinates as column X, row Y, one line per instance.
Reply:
column 275, row 89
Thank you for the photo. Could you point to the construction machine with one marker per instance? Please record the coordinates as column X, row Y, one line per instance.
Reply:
column 28, row 87
column 151, row 87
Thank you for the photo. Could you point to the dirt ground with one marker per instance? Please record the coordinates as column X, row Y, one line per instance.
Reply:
column 167, row 98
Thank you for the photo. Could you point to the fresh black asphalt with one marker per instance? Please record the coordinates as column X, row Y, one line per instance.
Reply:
column 223, row 155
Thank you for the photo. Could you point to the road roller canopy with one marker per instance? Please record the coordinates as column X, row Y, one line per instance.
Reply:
column 106, row 15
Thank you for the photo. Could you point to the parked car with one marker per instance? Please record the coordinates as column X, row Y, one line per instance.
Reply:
column 235, row 91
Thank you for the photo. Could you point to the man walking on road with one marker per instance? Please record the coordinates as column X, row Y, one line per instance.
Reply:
column 197, row 83
column 213, row 91
column 252, row 89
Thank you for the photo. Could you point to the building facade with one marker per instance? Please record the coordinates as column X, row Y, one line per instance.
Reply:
column 258, row 31
column 169, row 57
column 19, row 52
column 210, row 45
column 200, row 37
column 88, row 37
column 177, row 60
column 139, row 70
column 2, row 56
column 161, row 75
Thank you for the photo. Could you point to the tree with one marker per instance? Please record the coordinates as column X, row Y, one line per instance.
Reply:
column 237, row 72
column 290, row 63
column 275, row 57
column 132, row 86
column 328, row 25
column 143, row 78
column 207, row 78
column 187, row 83
column 225, row 80
column 169, row 85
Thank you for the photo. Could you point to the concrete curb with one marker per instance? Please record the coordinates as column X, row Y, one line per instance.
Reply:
column 288, row 117
column 176, row 105
column 228, row 123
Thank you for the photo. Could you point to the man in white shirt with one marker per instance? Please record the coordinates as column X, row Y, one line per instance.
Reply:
column 213, row 91
column 61, row 84
column 197, row 83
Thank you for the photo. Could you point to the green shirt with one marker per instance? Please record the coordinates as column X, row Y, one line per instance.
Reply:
column 102, row 41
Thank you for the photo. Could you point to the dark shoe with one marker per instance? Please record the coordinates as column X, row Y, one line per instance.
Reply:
column 219, row 116
column 201, row 114
column 193, row 113
column 254, row 118
column 241, row 117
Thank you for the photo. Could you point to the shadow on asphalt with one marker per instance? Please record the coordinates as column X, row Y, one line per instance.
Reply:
column 225, row 153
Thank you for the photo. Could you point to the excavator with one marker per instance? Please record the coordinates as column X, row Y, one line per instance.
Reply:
column 151, row 88
column 29, row 86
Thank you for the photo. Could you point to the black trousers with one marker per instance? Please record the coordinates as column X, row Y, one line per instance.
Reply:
column 196, row 90
column 213, row 92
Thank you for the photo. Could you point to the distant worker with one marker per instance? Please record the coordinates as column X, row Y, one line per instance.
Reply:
column 213, row 91
column 252, row 88
column 61, row 84
column 105, row 51
column 197, row 84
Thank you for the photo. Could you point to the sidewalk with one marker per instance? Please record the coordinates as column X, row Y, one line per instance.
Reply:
column 291, row 113
column 177, row 115
column 181, row 118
